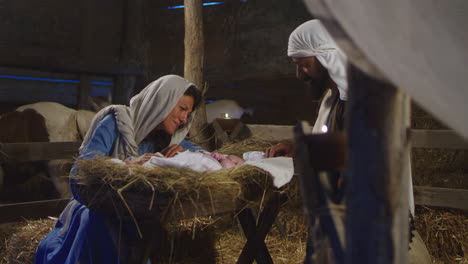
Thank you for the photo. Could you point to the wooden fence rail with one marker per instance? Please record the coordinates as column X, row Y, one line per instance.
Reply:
column 441, row 197
column 14, row 152
column 446, row 139
column 34, row 151
column 16, row 212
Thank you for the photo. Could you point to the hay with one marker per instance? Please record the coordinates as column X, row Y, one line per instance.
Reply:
column 102, row 183
column 249, row 144
column 287, row 249
column 446, row 168
column 20, row 245
column 445, row 233
column 135, row 190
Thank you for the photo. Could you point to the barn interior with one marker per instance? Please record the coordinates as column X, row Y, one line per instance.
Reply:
column 67, row 51
column 122, row 46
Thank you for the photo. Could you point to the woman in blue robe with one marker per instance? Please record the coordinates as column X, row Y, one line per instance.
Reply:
column 157, row 120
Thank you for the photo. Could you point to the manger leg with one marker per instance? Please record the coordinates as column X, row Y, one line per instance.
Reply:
column 255, row 247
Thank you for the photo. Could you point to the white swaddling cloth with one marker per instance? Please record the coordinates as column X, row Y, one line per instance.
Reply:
column 196, row 161
column 280, row 168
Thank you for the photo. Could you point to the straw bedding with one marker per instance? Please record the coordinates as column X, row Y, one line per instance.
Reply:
column 19, row 246
column 141, row 192
column 445, row 233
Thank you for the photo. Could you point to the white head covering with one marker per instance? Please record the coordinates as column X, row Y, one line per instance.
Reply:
column 147, row 110
column 312, row 39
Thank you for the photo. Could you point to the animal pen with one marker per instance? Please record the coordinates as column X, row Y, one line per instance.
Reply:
column 374, row 203
column 215, row 204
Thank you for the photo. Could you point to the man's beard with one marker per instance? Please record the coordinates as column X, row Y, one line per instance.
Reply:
column 317, row 86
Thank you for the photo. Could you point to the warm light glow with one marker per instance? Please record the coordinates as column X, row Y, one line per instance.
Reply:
column 226, row 116
column 324, row 129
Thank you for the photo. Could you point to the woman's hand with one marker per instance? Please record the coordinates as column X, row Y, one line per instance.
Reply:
column 142, row 159
column 284, row 148
column 173, row 150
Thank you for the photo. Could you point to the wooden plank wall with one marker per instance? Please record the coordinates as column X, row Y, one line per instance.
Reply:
column 59, row 29
column 69, row 40
column 245, row 55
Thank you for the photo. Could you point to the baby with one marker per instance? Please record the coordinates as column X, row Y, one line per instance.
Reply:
column 280, row 168
column 197, row 161
column 227, row 161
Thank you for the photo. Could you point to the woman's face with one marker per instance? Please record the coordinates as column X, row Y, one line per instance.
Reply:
column 179, row 115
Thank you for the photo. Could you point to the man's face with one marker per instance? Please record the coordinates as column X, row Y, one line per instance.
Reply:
column 310, row 70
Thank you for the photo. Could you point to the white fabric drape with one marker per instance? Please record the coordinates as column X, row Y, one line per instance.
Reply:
column 421, row 46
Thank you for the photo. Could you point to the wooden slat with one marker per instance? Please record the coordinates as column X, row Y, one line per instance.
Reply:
column 124, row 89
column 31, row 210
column 83, row 91
column 210, row 208
column 255, row 248
column 272, row 132
column 421, row 138
column 71, row 64
column 441, row 197
column 376, row 228
column 34, row 151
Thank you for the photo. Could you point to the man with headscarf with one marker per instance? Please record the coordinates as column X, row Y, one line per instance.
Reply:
column 157, row 120
column 322, row 65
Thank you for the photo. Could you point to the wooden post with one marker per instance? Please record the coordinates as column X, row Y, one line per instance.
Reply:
column 85, row 53
column 123, row 89
column 86, row 46
column 193, row 65
column 83, row 92
column 377, row 194
column 130, row 49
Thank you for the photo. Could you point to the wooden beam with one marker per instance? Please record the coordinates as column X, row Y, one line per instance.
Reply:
column 254, row 248
column 272, row 132
column 420, row 138
column 441, row 197
column 83, row 92
column 378, row 178
column 124, row 89
column 105, row 66
column 194, row 42
column 31, row 210
column 327, row 151
column 194, row 53
column 132, row 39
column 86, row 46
column 447, row 139
column 33, row 151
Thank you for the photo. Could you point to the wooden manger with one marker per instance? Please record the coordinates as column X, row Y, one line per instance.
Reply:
column 168, row 194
